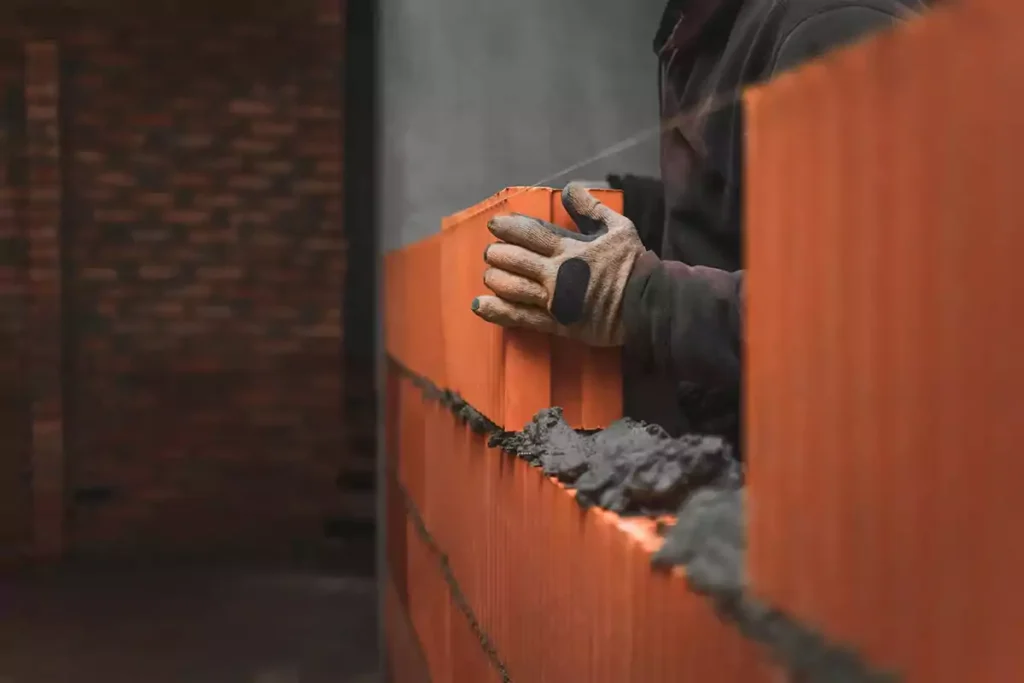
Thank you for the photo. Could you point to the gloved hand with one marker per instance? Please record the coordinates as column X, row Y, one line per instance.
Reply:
column 553, row 280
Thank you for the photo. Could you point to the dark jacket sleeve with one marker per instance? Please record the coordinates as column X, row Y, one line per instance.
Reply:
column 687, row 321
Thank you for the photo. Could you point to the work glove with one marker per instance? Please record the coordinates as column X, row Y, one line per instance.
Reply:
column 553, row 280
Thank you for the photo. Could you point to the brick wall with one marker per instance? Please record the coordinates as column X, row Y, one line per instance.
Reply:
column 42, row 228
column 199, row 190
column 15, row 407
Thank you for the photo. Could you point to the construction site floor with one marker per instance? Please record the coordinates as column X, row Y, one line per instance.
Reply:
column 187, row 625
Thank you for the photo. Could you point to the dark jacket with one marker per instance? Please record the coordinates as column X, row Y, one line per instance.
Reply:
column 683, row 306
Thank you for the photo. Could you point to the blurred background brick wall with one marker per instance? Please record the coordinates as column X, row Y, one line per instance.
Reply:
column 15, row 415
column 196, row 204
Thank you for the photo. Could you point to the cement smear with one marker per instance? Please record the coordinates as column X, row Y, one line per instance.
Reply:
column 629, row 468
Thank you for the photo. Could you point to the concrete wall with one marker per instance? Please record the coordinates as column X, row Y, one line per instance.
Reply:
column 477, row 96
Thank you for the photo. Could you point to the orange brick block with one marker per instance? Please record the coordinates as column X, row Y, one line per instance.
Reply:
column 570, row 594
column 883, row 337
column 593, row 374
column 412, row 308
column 469, row 661
column 396, row 545
column 429, row 605
column 406, row 663
column 511, row 374
column 428, row 636
column 412, row 449
column 393, row 298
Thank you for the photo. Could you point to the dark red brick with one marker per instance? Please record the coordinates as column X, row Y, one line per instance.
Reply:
column 152, row 120
column 193, row 177
column 117, row 178
column 158, row 272
column 186, row 217
column 249, row 182
column 250, row 108
column 255, row 146
column 219, row 273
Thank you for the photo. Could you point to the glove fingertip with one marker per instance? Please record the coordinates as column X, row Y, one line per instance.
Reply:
column 586, row 210
column 486, row 307
column 579, row 201
column 572, row 193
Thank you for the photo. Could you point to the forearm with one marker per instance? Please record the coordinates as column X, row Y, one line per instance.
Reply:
column 685, row 321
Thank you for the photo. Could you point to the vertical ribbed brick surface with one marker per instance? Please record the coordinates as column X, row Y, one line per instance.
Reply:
column 515, row 373
column 43, row 224
column 404, row 653
column 413, row 308
column 884, row 331
column 561, row 593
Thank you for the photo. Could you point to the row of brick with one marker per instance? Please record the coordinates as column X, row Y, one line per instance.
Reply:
column 431, row 634
column 563, row 593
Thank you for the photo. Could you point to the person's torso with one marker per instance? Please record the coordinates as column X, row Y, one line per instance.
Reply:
column 708, row 51
column 705, row 58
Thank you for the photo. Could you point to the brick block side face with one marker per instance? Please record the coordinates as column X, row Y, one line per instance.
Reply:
column 207, row 253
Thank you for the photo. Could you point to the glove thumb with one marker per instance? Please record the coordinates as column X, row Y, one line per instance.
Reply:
column 590, row 216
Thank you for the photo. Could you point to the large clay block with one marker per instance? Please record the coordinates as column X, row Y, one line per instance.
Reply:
column 430, row 609
column 429, row 636
column 598, row 378
column 412, row 462
column 406, row 663
column 469, row 660
column 395, row 543
column 586, row 581
column 883, row 337
column 394, row 300
column 476, row 350
column 392, row 413
column 412, row 308
column 471, row 542
column 438, row 496
column 509, row 375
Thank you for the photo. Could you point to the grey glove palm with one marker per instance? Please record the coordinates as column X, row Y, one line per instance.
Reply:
column 557, row 281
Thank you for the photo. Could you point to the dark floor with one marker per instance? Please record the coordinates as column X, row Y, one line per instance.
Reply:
column 187, row 626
